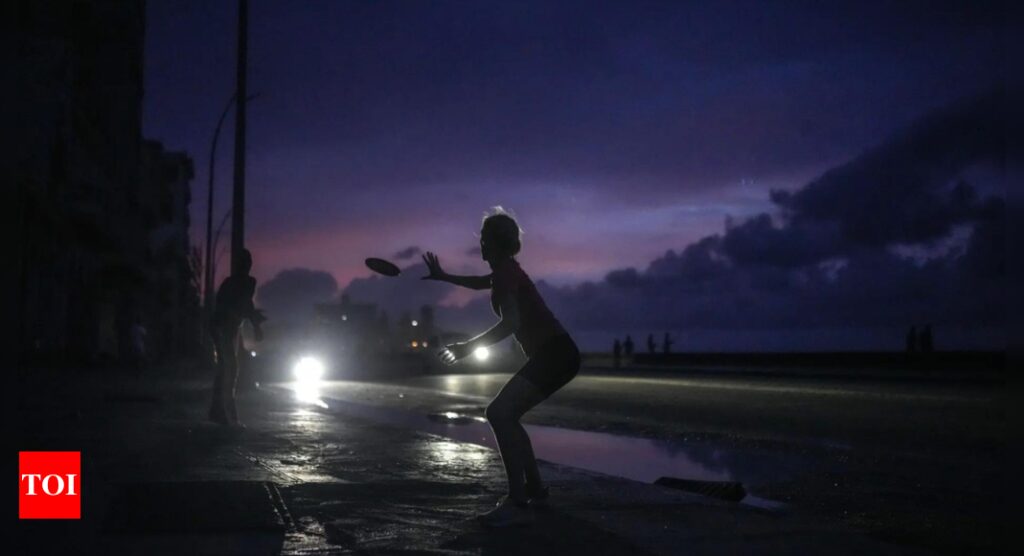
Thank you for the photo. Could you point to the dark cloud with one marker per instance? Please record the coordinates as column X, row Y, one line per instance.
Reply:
column 828, row 259
column 407, row 253
column 907, row 191
column 903, row 191
column 289, row 297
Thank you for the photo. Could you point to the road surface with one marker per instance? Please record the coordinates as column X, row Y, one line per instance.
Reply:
column 911, row 462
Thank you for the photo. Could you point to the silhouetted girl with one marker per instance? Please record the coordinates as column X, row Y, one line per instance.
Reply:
column 553, row 360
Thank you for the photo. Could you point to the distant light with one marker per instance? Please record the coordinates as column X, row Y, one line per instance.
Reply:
column 414, row 323
column 424, row 344
column 252, row 353
column 344, row 317
column 309, row 369
column 481, row 353
column 451, row 414
column 415, row 343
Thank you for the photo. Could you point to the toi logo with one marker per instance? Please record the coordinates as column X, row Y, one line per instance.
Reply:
column 50, row 485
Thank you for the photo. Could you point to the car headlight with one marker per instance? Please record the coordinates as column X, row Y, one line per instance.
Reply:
column 308, row 369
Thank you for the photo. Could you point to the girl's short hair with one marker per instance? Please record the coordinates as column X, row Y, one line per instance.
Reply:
column 502, row 231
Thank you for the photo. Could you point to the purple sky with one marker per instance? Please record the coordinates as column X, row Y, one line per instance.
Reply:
column 616, row 131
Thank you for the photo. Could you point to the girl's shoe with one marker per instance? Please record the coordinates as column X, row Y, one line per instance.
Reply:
column 508, row 513
column 538, row 496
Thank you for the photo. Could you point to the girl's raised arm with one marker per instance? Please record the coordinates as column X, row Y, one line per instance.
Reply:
column 435, row 272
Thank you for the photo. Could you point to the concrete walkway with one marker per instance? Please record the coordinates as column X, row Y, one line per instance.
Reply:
column 158, row 479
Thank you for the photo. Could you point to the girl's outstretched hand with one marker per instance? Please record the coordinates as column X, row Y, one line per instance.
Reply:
column 433, row 267
column 452, row 353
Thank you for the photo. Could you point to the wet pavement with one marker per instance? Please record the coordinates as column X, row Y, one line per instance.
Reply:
column 917, row 463
column 635, row 458
column 341, row 482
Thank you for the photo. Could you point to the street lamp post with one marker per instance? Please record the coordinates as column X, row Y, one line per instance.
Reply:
column 238, row 99
column 207, row 271
column 216, row 242
column 208, row 275
column 238, row 198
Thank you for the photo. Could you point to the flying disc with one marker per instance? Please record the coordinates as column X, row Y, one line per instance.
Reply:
column 380, row 266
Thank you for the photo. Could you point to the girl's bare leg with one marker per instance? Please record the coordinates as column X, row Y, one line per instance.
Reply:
column 530, row 470
column 516, row 398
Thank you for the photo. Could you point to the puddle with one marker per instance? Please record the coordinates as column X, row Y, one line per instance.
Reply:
column 639, row 459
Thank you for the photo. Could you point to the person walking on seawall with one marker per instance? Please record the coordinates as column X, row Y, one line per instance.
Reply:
column 926, row 342
column 233, row 306
column 617, row 353
column 651, row 345
column 138, row 338
column 910, row 357
column 911, row 340
column 667, row 344
column 554, row 360
column 627, row 347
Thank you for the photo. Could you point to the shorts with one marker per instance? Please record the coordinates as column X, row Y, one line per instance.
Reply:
column 553, row 366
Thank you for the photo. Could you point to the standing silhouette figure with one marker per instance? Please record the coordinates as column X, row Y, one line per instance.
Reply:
column 911, row 340
column 926, row 341
column 233, row 306
column 651, row 345
column 627, row 346
column 553, row 361
column 666, row 344
column 138, row 337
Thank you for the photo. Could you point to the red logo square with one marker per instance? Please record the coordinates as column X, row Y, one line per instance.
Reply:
column 50, row 485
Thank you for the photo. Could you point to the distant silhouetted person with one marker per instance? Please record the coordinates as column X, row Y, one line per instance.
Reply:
column 912, row 340
column 666, row 344
column 233, row 306
column 553, row 361
column 617, row 353
column 138, row 339
column 627, row 346
column 925, row 341
column 652, row 346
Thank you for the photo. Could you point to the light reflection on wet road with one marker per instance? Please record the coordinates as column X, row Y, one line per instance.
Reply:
column 895, row 416
column 755, row 430
column 640, row 459
column 849, row 449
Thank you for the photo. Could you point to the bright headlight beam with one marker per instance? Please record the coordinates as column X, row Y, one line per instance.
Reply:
column 481, row 354
column 308, row 369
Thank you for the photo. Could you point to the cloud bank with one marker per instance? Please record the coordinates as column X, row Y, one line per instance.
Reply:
column 900, row 234
column 289, row 297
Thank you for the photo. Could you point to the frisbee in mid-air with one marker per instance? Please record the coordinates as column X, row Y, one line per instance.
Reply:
column 380, row 266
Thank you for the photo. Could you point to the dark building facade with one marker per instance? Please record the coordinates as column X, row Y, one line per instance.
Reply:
column 170, row 310
column 83, row 266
